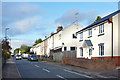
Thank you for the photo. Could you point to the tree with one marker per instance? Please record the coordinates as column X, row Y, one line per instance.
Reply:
column 98, row 18
column 4, row 44
column 38, row 41
column 24, row 47
column 16, row 50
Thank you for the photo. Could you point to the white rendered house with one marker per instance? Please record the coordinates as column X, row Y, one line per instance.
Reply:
column 100, row 39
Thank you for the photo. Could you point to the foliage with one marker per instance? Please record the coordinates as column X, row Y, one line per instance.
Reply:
column 23, row 49
column 38, row 41
column 98, row 18
column 16, row 50
column 5, row 50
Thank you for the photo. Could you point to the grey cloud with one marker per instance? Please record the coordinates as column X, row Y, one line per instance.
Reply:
column 69, row 17
column 17, row 11
column 20, row 17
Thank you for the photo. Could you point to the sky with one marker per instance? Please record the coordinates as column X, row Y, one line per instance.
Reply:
column 28, row 21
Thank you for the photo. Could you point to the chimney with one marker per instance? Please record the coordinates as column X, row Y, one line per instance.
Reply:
column 59, row 28
column 52, row 33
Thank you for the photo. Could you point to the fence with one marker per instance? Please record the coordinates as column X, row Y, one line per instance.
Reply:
column 59, row 55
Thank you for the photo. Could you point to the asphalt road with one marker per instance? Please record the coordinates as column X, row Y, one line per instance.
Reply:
column 32, row 69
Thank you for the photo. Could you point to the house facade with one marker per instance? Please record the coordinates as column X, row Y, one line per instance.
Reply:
column 69, row 41
column 64, row 39
column 100, row 40
column 60, row 41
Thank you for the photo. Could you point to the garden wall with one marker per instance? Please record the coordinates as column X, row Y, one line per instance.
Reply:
column 91, row 63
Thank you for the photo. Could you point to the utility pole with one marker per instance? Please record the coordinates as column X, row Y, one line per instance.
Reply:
column 6, row 33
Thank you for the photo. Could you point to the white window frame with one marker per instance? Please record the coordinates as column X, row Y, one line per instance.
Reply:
column 101, row 28
column 81, row 36
column 101, row 50
column 90, row 32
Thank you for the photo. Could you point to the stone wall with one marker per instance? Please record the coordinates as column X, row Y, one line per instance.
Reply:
column 91, row 63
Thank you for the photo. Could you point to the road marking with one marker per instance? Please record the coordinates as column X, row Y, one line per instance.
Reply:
column 77, row 73
column 103, row 76
column 61, row 77
column 36, row 65
column 46, row 70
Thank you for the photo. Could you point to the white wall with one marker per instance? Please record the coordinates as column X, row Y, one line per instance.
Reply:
column 67, row 36
column 58, row 39
column 116, row 30
column 95, row 39
column 119, row 34
column 106, row 39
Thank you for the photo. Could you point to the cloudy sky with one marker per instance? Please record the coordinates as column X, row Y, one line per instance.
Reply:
column 29, row 21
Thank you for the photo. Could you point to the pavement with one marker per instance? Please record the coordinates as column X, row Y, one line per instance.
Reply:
column 93, row 73
column 10, row 70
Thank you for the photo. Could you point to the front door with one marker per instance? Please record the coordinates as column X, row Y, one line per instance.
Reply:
column 90, row 53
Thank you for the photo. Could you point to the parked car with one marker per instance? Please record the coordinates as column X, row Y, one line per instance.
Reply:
column 32, row 57
column 18, row 57
column 25, row 56
column 12, row 55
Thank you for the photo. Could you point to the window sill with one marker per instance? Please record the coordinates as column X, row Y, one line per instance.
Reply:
column 89, row 36
column 80, row 40
column 101, row 34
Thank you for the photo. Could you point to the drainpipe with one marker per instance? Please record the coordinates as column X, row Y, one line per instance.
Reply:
column 112, row 35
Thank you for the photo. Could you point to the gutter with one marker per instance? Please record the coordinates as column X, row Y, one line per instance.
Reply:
column 112, row 36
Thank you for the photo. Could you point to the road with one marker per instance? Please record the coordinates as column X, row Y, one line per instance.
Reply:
column 32, row 69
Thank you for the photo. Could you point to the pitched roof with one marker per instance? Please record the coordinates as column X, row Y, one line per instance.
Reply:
column 101, row 20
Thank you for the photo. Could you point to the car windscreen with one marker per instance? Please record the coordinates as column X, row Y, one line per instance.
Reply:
column 33, row 56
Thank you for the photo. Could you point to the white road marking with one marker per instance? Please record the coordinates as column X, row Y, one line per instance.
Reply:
column 46, row 70
column 36, row 65
column 77, row 73
column 103, row 76
column 61, row 77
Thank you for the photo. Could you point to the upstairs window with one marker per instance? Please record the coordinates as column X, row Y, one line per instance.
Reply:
column 101, row 29
column 90, row 33
column 74, row 36
column 81, row 36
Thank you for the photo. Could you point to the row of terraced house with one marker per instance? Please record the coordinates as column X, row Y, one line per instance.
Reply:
column 100, row 39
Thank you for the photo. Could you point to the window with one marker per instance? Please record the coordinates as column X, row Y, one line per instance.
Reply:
column 101, row 28
column 81, row 36
column 72, row 48
column 81, row 51
column 74, row 36
column 101, row 49
column 65, row 48
column 90, row 52
column 90, row 33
